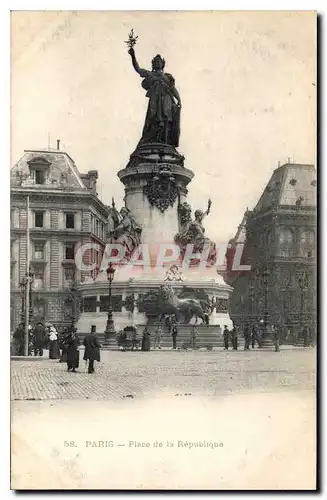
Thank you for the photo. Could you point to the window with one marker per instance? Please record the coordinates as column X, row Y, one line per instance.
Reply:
column 307, row 241
column 286, row 240
column 286, row 236
column 70, row 221
column 70, row 251
column 97, row 228
column 116, row 301
column 68, row 309
column 38, row 219
column 38, row 250
column 38, row 277
column 69, row 274
column 89, row 304
column 39, row 176
column 308, row 237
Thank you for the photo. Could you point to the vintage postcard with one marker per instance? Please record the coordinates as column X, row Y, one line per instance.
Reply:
column 163, row 250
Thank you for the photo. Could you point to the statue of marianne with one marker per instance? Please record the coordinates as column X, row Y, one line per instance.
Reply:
column 162, row 122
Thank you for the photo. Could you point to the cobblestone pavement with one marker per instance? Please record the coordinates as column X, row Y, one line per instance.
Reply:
column 143, row 374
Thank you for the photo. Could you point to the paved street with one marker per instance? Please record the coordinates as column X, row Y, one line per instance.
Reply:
column 144, row 374
column 255, row 409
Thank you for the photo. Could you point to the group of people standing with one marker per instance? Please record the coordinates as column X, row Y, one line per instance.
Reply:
column 63, row 346
column 146, row 337
column 251, row 337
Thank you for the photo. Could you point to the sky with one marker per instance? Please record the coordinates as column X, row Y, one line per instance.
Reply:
column 247, row 82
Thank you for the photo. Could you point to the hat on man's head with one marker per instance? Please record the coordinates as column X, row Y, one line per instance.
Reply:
column 93, row 328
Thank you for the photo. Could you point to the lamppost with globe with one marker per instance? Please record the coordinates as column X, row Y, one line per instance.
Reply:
column 110, row 332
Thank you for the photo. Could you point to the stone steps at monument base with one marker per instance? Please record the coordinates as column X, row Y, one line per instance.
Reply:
column 204, row 339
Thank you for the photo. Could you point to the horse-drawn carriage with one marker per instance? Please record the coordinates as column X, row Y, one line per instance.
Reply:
column 127, row 339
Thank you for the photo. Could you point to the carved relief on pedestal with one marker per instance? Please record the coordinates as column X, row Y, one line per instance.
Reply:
column 174, row 274
column 162, row 190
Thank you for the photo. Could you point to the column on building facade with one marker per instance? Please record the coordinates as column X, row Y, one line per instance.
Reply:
column 55, row 262
column 98, row 303
column 123, row 309
column 15, row 218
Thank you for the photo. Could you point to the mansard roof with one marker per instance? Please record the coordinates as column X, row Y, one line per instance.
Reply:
column 290, row 185
column 62, row 171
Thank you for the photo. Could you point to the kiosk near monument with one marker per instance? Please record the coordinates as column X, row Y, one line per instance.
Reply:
column 157, row 213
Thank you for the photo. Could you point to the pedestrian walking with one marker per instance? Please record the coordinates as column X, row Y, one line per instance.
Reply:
column 226, row 338
column 306, row 336
column 234, row 338
column 72, row 344
column 194, row 335
column 63, row 339
column 276, row 335
column 146, row 340
column 92, row 349
column 134, row 338
column 39, row 339
column 247, row 338
column 54, row 351
column 254, row 336
column 174, row 333
column 157, row 337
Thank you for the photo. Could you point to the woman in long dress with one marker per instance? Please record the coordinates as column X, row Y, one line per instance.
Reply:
column 54, row 352
column 146, row 340
column 72, row 351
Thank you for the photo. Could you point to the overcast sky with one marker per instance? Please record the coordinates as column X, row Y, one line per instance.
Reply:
column 246, row 80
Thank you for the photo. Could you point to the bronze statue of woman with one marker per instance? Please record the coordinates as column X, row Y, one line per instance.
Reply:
column 162, row 122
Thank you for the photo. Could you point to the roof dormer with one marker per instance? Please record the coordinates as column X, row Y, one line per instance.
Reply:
column 39, row 168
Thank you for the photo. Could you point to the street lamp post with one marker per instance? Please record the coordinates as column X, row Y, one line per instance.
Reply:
column 22, row 285
column 73, row 290
column 110, row 334
column 31, row 280
column 266, row 340
column 302, row 284
column 265, row 276
column 251, row 291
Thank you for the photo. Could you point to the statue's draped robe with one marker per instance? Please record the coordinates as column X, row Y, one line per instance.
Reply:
column 162, row 122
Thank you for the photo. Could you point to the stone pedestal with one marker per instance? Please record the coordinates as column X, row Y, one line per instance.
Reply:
column 110, row 344
column 155, row 183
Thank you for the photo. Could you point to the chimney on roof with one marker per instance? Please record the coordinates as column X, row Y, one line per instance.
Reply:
column 58, row 144
column 289, row 159
column 278, row 164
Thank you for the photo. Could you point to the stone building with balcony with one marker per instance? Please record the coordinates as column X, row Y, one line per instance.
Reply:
column 64, row 213
column 280, row 236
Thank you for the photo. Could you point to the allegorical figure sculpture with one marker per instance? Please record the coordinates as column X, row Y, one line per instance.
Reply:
column 162, row 122
column 193, row 232
column 124, row 230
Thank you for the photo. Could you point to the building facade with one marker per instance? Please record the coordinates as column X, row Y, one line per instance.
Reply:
column 280, row 237
column 64, row 213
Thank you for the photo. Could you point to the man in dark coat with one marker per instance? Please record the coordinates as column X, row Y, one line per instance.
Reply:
column 226, row 338
column 254, row 336
column 72, row 351
column 306, row 336
column 92, row 349
column 247, row 338
column 174, row 334
column 234, row 338
column 39, row 333
column 18, row 338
